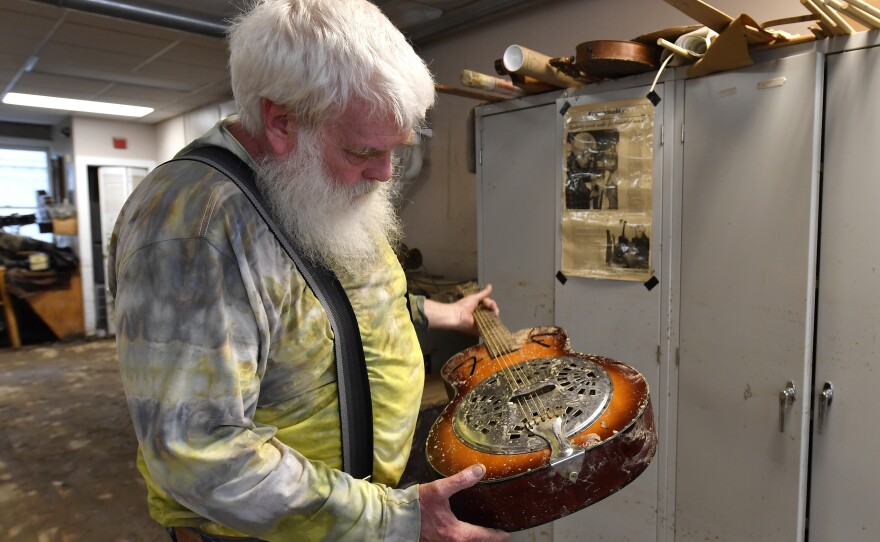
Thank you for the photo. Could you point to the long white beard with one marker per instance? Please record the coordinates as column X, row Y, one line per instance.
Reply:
column 338, row 225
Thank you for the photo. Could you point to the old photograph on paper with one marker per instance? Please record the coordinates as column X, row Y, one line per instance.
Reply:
column 607, row 186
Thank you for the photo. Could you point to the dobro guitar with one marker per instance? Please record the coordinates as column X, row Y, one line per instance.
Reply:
column 557, row 430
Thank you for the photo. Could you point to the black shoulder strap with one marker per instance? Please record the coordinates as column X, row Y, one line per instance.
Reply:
column 355, row 409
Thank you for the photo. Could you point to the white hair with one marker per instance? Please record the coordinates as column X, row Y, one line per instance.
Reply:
column 315, row 56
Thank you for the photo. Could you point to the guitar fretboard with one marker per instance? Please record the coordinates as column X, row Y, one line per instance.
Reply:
column 499, row 340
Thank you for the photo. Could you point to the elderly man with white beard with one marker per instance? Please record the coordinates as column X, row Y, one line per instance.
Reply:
column 226, row 354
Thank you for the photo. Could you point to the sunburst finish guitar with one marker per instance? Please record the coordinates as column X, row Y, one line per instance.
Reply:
column 557, row 430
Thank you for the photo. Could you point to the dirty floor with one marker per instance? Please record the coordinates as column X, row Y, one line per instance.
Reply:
column 67, row 449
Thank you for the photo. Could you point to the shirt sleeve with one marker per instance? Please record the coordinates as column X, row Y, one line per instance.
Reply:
column 416, row 305
column 193, row 337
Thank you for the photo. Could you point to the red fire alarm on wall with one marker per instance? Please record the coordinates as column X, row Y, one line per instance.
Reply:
column 120, row 143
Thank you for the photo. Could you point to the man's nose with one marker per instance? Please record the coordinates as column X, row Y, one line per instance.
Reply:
column 380, row 168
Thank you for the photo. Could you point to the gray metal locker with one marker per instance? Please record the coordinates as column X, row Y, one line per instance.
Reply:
column 845, row 479
column 749, row 228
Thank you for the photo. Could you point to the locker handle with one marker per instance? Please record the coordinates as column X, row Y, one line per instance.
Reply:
column 786, row 397
column 825, row 397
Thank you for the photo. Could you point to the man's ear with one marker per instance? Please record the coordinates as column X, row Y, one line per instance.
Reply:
column 278, row 127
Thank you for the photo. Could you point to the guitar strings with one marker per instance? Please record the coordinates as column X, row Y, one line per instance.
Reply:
column 489, row 335
column 495, row 332
column 536, row 410
column 488, row 328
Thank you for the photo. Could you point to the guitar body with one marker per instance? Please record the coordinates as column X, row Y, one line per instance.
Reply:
column 606, row 415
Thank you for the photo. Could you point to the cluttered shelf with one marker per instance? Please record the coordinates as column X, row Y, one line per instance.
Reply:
column 719, row 42
column 43, row 279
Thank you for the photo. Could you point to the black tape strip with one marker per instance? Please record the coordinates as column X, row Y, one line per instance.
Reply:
column 565, row 107
column 654, row 97
column 651, row 283
column 561, row 278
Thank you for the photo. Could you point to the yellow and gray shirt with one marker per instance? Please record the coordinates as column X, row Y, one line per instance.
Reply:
column 227, row 363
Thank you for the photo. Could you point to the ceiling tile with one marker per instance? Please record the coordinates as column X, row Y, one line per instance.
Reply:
column 110, row 76
column 30, row 8
column 23, row 28
column 6, row 78
column 105, row 59
column 92, row 37
column 194, row 74
column 195, row 55
column 133, row 92
column 23, row 45
column 12, row 61
column 205, row 98
column 43, row 84
column 205, row 41
column 15, row 26
column 124, row 26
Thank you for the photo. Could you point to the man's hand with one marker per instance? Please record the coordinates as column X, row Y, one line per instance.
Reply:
column 439, row 524
column 459, row 316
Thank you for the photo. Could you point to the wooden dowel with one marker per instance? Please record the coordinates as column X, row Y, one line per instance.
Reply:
column 855, row 13
column 789, row 20
column 466, row 93
column 866, row 7
column 825, row 21
column 839, row 21
column 470, row 78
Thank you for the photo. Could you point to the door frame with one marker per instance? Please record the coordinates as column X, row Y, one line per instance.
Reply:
column 83, row 212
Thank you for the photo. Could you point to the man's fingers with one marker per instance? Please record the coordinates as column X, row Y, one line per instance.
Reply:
column 462, row 480
column 486, row 301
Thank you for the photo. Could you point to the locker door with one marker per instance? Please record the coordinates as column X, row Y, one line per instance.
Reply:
column 845, row 478
column 625, row 321
column 749, row 227
column 516, row 221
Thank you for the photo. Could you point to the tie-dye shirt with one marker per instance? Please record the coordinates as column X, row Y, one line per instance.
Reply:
column 227, row 362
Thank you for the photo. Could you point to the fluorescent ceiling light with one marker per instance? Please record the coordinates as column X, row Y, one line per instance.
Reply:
column 49, row 102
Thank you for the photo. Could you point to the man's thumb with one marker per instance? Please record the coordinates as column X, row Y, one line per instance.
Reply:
column 465, row 478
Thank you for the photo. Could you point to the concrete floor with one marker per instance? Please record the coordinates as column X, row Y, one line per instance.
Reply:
column 67, row 448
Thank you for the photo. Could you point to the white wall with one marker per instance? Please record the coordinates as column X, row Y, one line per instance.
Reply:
column 94, row 137
column 440, row 216
column 177, row 132
column 170, row 138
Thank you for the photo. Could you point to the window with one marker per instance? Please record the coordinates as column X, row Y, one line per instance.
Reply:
column 22, row 173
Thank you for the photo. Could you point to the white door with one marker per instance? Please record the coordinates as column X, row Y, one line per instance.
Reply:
column 749, row 220
column 845, row 486
column 115, row 184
